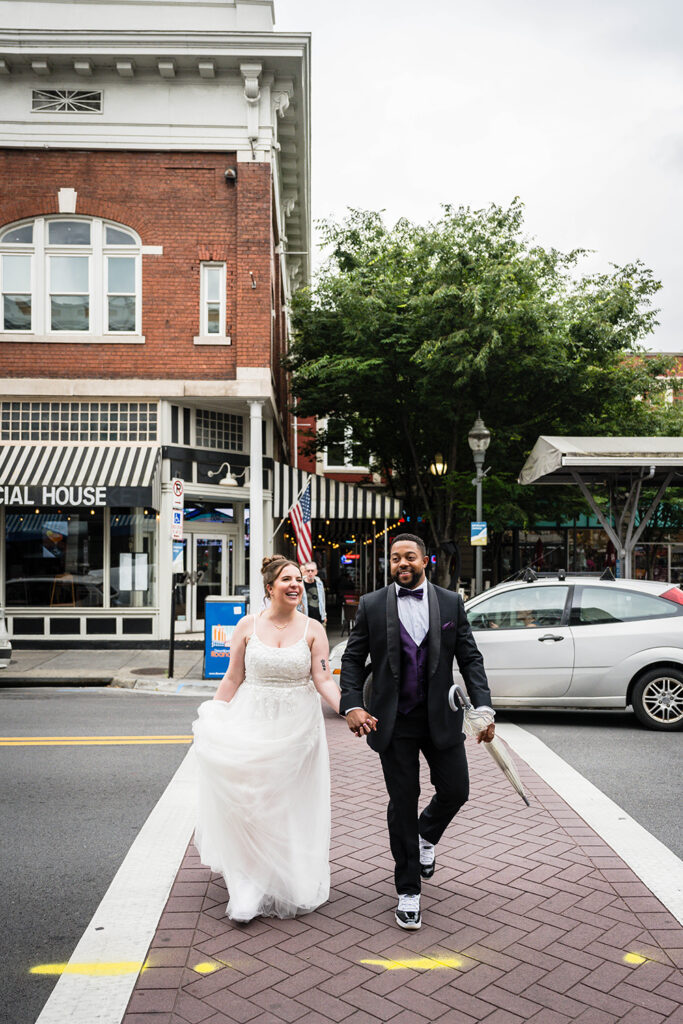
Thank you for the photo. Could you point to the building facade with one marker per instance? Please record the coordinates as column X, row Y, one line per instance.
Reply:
column 154, row 220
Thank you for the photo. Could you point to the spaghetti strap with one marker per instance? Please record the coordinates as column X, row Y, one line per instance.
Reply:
column 305, row 628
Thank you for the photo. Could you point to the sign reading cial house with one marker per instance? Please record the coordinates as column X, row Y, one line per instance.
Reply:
column 79, row 475
column 54, row 495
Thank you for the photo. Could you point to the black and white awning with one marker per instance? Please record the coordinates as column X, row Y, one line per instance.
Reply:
column 80, row 474
column 330, row 499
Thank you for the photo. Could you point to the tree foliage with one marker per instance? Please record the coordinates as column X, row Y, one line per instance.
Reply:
column 409, row 331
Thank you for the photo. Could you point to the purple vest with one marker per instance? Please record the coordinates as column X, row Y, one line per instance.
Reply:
column 413, row 690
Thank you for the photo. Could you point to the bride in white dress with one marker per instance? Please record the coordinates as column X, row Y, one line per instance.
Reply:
column 264, row 794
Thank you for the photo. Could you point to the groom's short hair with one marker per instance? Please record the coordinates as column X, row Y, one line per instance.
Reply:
column 412, row 539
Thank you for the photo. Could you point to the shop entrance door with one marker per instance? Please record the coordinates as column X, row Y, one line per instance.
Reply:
column 211, row 563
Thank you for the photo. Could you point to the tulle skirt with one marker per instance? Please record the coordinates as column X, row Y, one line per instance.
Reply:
column 264, row 799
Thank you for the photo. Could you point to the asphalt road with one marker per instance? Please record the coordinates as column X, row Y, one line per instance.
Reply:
column 640, row 769
column 69, row 816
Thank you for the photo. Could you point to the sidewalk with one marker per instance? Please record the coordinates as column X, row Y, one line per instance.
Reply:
column 530, row 917
column 132, row 668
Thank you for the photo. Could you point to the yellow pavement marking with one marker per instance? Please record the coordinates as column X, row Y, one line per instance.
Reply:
column 422, row 963
column 634, row 958
column 94, row 970
column 89, row 741
column 207, row 968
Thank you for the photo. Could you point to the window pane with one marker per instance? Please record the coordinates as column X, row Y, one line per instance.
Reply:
column 121, row 312
column 69, row 313
column 122, row 274
column 17, row 313
column 595, row 606
column 69, row 273
column 336, row 447
column 133, row 557
column 520, row 608
column 117, row 237
column 69, row 232
column 213, row 283
column 213, row 317
column 16, row 273
column 54, row 559
column 22, row 235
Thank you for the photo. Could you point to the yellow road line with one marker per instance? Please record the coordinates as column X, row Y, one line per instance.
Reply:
column 90, row 970
column 89, row 741
column 422, row 963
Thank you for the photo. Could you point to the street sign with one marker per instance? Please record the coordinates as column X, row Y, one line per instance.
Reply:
column 478, row 535
column 178, row 492
column 177, row 524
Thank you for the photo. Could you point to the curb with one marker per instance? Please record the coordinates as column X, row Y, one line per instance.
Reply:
column 170, row 687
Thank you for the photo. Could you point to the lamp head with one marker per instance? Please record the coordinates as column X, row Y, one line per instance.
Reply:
column 479, row 436
column 438, row 467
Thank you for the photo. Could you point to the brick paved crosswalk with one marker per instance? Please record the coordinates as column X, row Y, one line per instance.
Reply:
column 530, row 917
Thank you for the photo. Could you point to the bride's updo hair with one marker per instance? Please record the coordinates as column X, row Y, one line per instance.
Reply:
column 271, row 568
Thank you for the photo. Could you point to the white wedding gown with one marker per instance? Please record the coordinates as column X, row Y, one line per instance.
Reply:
column 264, row 786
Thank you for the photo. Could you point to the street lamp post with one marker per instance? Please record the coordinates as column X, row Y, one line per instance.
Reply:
column 478, row 438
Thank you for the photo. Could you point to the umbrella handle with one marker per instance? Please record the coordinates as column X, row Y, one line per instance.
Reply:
column 457, row 699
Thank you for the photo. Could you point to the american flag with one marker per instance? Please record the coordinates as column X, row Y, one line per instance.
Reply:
column 300, row 514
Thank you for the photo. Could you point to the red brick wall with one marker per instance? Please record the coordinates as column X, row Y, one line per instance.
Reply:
column 176, row 200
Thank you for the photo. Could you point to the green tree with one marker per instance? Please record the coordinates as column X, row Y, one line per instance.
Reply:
column 409, row 331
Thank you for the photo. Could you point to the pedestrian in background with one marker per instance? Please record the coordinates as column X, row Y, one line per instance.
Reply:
column 313, row 603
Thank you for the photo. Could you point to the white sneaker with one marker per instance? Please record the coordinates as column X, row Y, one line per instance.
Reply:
column 427, row 858
column 408, row 912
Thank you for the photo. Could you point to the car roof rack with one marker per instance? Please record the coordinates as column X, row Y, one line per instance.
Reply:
column 529, row 575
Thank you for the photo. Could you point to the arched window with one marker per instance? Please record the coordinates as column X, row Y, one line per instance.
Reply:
column 70, row 278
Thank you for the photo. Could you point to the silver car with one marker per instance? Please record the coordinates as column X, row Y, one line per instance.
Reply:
column 577, row 642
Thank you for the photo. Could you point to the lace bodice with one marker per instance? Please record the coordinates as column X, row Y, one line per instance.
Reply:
column 277, row 666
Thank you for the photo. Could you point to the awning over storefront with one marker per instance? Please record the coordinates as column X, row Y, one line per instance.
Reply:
column 330, row 499
column 80, row 475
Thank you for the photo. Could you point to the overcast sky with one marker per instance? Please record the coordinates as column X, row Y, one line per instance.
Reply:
column 577, row 108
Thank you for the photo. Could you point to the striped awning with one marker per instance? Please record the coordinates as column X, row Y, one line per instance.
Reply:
column 61, row 474
column 331, row 499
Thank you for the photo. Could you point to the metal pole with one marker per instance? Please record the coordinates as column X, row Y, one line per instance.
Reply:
column 171, row 641
column 374, row 561
column 478, row 553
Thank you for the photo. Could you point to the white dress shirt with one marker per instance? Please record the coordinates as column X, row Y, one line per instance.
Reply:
column 414, row 613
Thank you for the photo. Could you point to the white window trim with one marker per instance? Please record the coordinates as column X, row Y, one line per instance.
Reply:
column 98, row 253
column 204, row 338
column 333, row 467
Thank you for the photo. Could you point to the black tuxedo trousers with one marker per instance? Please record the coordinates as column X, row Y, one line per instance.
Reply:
column 401, row 766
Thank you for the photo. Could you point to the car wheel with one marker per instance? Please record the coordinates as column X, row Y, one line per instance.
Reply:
column 657, row 699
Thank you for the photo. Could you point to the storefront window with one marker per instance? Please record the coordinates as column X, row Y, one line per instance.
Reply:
column 54, row 559
column 133, row 568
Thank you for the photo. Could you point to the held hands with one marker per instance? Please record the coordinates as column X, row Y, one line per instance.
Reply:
column 487, row 734
column 360, row 722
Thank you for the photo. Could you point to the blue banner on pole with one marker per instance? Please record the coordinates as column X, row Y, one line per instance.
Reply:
column 478, row 535
column 221, row 615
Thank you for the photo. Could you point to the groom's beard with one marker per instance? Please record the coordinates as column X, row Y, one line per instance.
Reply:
column 414, row 581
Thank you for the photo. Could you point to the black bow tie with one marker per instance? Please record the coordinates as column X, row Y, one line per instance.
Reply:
column 417, row 594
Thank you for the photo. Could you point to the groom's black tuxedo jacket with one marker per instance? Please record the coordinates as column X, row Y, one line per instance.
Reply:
column 376, row 633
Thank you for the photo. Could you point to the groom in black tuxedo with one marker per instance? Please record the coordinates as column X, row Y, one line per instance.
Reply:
column 412, row 631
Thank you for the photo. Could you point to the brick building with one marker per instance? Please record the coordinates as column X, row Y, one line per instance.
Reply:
column 154, row 219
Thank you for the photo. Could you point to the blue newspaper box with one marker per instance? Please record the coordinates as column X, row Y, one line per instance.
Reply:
column 221, row 615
